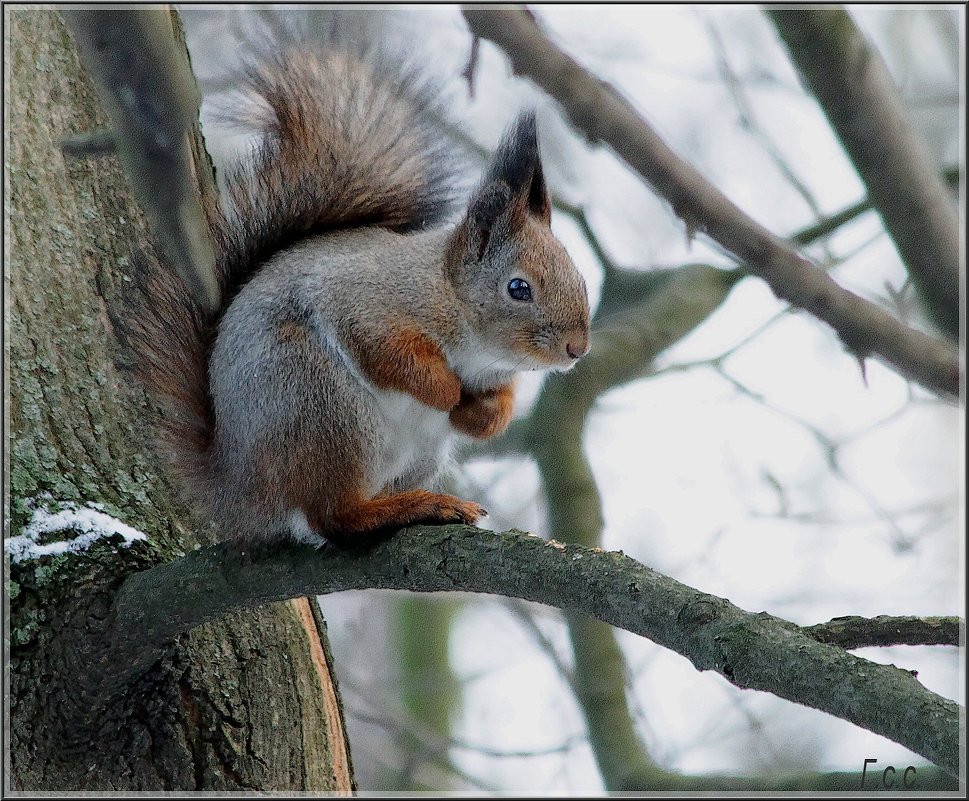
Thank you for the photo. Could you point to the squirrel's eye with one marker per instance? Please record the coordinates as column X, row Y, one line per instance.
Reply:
column 519, row 290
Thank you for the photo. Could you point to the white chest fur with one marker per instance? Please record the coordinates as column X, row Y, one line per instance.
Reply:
column 420, row 443
column 417, row 443
column 480, row 368
column 413, row 440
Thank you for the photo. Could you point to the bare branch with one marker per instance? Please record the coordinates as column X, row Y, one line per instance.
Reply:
column 89, row 145
column 856, row 92
column 862, row 632
column 148, row 92
column 828, row 225
column 864, row 327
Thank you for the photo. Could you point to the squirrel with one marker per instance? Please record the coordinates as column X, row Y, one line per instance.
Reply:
column 361, row 329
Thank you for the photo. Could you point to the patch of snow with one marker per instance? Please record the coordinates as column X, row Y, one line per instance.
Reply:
column 89, row 520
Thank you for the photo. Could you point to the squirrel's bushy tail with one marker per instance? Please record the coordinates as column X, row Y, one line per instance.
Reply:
column 348, row 138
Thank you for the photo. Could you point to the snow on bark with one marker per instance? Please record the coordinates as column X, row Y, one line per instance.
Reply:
column 90, row 521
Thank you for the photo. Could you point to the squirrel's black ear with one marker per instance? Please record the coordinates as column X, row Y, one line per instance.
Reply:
column 517, row 163
column 513, row 187
column 487, row 206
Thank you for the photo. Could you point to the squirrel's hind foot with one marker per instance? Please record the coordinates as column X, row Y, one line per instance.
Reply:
column 387, row 512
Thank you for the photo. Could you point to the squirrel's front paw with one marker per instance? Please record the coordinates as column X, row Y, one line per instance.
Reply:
column 484, row 414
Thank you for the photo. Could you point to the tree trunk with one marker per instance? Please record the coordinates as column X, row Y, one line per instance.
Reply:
column 247, row 702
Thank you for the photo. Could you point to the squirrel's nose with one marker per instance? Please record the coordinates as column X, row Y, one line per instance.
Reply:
column 577, row 345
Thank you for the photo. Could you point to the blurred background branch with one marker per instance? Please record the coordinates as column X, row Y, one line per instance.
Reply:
column 856, row 92
column 150, row 96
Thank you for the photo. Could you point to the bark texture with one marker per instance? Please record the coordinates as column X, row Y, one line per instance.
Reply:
column 245, row 702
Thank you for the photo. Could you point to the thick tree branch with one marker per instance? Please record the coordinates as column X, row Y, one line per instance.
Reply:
column 862, row 632
column 865, row 328
column 856, row 92
column 756, row 651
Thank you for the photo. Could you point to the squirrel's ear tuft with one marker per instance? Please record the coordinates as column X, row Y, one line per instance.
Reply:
column 517, row 163
column 513, row 189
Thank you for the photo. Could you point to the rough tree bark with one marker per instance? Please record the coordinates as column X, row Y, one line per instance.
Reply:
column 246, row 702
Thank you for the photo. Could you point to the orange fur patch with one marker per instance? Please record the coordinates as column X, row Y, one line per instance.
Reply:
column 293, row 332
column 409, row 361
